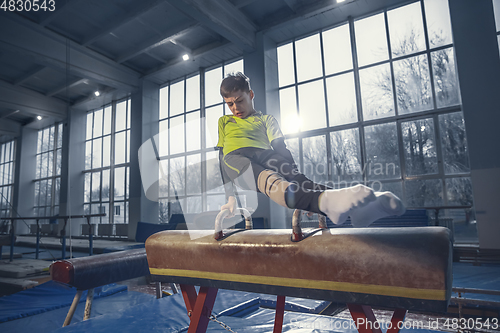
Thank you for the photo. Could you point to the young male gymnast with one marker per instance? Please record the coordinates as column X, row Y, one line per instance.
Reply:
column 253, row 155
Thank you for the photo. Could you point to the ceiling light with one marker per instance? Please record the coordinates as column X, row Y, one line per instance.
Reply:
column 39, row 117
column 338, row 1
column 97, row 93
column 185, row 57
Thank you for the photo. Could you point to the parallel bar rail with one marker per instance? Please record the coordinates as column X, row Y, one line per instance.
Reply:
column 63, row 231
column 476, row 291
column 461, row 301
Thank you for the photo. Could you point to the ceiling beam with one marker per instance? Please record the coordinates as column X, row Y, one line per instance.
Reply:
column 242, row 3
column 8, row 114
column 293, row 4
column 29, row 75
column 301, row 13
column 156, row 57
column 222, row 17
column 168, row 36
column 28, row 101
column 198, row 53
column 49, row 49
column 68, row 86
column 60, row 8
column 92, row 97
column 182, row 46
column 116, row 23
column 10, row 127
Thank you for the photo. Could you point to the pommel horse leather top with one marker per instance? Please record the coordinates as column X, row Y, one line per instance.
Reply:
column 405, row 268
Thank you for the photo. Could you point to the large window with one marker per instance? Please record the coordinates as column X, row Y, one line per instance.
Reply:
column 376, row 100
column 496, row 9
column 189, row 172
column 7, row 153
column 107, row 159
column 48, row 171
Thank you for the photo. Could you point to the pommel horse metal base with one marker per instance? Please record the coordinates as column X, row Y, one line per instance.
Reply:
column 399, row 268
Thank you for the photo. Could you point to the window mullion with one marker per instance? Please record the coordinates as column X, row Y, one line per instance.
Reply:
column 111, row 217
column 53, row 176
column 359, row 104
column 439, row 153
column 204, row 200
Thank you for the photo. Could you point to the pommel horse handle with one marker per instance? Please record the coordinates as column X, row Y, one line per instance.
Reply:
column 223, row 214
column 297, row 229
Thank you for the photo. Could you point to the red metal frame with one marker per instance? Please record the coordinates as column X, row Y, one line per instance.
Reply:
column 280, row 313
column 366, row 322
column 199, row 306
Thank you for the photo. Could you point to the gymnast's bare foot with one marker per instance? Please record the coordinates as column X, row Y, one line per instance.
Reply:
column 338, row 204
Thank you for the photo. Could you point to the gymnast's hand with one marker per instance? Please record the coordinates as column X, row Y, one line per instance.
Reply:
column 231, row 206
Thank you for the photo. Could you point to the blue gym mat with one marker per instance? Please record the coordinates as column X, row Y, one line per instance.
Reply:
column 44, row 308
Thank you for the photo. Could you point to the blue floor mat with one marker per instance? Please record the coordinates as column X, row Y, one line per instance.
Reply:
column 133, row 312
column 477, row 277
column 46, row 297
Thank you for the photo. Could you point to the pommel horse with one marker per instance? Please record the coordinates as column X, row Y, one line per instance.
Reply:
column 398, row 268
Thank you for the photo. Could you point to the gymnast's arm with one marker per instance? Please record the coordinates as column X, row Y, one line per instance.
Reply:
column 228, row 186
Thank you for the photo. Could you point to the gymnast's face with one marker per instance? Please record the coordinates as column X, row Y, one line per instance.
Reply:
column 240, row 103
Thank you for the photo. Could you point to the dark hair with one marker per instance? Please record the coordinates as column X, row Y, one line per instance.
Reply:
column 234, row 82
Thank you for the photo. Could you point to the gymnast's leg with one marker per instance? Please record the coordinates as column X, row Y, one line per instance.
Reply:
column 386, row 204
column 275, row 177
column 302, row 193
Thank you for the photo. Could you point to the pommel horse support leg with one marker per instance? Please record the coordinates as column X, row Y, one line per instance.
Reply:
column 399, row 268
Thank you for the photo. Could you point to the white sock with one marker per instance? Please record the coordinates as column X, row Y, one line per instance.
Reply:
column 338, row 204
column 386, row 204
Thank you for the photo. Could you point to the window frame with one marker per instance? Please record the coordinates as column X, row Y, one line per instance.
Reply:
column 398, row 118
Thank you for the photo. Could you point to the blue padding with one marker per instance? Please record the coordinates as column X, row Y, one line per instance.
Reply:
column 295, row 304
column 169, row 315
column 411, row 218
column 263, row 321
column 487, row 277
column 144, row 230
column 45, row 297
column 122, row 248
column 50, row 321
column 242, row 309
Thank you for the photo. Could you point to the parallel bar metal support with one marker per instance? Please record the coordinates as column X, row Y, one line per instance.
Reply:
column 37, row 251
column 12, row 241
column 14, row 219
column 91, row 237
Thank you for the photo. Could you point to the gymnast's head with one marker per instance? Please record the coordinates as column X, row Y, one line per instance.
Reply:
column 233, row 82
column 236, row 91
